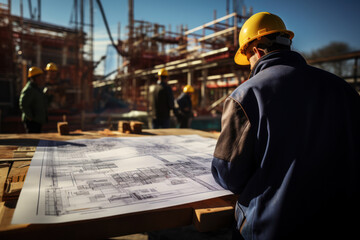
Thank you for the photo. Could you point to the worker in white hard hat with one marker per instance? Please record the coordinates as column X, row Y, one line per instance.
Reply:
column 162, row 101
column 33, row 102
column 184, row 112
column 289, row 143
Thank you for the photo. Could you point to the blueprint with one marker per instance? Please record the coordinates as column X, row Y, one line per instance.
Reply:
column 91, row 178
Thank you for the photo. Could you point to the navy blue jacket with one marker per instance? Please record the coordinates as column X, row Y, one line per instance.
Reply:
column 290, row 147
column 162, row 100
column 185, row 104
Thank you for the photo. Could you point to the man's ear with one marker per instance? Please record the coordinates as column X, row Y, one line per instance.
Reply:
column 259, row 52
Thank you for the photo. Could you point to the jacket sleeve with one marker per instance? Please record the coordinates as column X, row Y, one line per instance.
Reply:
column 25, row 103
column 233, row 163
column 170, row 98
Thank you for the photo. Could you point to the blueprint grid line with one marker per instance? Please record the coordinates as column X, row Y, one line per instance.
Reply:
column 38, row 202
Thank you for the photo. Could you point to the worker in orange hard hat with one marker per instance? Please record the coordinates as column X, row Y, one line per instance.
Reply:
column 33, row 102
column 289, row 142
column 184, row 113
column 162, row 101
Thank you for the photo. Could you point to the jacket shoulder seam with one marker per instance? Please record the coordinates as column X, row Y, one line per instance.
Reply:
column 242, row 108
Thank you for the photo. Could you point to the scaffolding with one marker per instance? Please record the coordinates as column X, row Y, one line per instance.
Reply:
column 7, row 56
column 27, row 42
column 202, row 57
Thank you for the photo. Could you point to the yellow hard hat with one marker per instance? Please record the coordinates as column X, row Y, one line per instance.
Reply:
column 34, row 71
column 51, row 67
column 188, row 89
column 163, row 72
column 258, row 25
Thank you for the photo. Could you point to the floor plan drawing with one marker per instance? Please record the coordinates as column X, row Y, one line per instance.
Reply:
column 83, row 179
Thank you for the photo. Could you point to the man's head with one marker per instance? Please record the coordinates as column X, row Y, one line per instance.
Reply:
column 163, row 75
column 51, row 72
column 51, row 67
column 261, row 33
column 35, row 74
column 188, row 89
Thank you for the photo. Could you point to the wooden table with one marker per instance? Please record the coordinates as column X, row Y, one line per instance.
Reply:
column 16, row 151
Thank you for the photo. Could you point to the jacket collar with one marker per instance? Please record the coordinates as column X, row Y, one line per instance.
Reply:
column 283, row 57
column 34, row 85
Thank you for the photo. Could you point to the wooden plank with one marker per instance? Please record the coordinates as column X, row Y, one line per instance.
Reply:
column 4, row 170
column 20, row 154
column 210, row 23
column 124, row 127
column 24, row 152
column 136, row 127
column 2, row 210
column 205, row 215
column 14, row 159
column 103, row 227
column 210, row 219
column 25, row 149
column 7, row 151
column 32, row 140
column 63, row 128
column 213, row 214
column 15, row 180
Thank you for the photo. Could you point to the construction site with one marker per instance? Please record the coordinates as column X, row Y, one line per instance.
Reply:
column 85, row 153
column 201, row 57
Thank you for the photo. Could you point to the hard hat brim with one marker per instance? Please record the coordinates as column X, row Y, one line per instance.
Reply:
column 34, row 75
column 241, row 59
column 163, row 72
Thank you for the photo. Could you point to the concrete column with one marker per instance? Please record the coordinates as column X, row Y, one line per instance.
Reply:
column 24, row 73
column 203, row 87
column 38, row 54
column 190, row 75
column 64, row 55
column 134, row 90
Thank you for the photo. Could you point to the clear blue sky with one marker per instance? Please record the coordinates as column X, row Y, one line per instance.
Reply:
column 315, row 23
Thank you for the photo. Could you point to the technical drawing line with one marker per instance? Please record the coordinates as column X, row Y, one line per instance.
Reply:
column 91, row 178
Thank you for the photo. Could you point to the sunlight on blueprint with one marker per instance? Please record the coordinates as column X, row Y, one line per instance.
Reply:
column 92, row 178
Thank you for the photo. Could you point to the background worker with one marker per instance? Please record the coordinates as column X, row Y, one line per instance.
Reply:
column 184, row 112
column 162, row 101
column 289, row 144
column 51, row 85
column 55, row 91
column 51, row 73
column 33, row 102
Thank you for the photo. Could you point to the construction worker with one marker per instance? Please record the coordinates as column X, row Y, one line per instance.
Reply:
column 52, row 89
column 184, row 112
column 162, row 101
column 33, row 102
column 289, row 144
column 51, row 73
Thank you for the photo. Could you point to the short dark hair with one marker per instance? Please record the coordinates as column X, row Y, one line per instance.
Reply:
column 275, row 45
column 163, row 78
column 268, row 43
